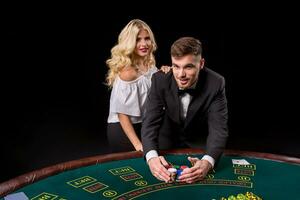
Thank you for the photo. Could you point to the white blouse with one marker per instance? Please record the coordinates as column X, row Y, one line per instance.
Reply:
column 128, row 97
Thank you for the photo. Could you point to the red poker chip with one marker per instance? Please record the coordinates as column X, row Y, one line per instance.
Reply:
column 183, row 167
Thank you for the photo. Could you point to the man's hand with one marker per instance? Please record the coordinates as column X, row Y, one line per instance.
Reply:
column 193, row 160
column 158, row 169
column 196, row 172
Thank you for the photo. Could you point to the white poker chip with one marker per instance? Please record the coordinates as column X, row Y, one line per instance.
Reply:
column 172, row 170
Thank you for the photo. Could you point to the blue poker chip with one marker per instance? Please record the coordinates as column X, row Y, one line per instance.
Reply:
column 178, row 173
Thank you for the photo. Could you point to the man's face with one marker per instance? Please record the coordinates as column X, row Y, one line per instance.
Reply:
column 186, row 69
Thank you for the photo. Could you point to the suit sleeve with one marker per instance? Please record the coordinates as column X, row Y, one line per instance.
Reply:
column 153, row 116
column 217, row 123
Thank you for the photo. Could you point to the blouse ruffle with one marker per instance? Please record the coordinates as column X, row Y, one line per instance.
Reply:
column 128, row 97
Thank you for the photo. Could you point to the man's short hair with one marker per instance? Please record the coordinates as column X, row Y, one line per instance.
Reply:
column 186, row 45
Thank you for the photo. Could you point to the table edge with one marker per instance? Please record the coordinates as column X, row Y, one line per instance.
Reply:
column 36, row 175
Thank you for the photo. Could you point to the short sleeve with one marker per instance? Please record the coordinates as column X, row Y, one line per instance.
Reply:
column 125, row 98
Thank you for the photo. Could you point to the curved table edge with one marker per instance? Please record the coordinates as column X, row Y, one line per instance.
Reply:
column 36, row 175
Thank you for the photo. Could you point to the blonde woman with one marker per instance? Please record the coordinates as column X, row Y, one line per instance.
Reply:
column 131, row 66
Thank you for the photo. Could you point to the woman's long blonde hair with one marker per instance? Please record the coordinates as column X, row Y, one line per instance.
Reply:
column 121, row 53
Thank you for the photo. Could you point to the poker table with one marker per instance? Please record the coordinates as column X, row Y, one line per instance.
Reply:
column 126, row 176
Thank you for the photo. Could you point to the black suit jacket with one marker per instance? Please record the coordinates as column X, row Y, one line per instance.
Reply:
column 205, row 125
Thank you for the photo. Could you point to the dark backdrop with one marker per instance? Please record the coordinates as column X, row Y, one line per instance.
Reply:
column 55, row 104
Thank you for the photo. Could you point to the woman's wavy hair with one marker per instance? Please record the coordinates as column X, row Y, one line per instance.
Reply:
column 122, row 52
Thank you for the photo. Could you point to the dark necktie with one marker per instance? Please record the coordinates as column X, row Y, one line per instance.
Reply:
column 189, row 91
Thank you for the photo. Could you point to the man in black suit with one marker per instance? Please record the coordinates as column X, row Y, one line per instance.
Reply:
column 185, row 108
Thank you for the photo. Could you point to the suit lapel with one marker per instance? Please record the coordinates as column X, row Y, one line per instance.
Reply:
column 173, row 101
column 198, row 99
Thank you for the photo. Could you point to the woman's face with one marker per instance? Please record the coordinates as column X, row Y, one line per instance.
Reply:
column 143, row 43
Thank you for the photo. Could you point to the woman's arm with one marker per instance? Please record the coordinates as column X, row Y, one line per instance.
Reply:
column 130, row 132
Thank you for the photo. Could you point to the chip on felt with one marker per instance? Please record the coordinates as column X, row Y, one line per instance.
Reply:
column 183, row 167
column 176, row 166
column 179, row 171
column 16, row 196
column 173, row 172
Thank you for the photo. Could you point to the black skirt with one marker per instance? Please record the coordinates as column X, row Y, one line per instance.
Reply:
column 117, row 138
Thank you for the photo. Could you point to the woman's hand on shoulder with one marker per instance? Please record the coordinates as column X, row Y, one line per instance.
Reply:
column 165, row 68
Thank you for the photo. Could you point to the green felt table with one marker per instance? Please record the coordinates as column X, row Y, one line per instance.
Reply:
column 127, row 176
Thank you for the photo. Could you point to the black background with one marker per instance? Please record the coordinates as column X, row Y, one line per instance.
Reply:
column 55, row 104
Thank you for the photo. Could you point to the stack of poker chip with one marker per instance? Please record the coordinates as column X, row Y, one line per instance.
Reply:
column 176, row 171
column 173, row 172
